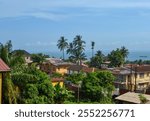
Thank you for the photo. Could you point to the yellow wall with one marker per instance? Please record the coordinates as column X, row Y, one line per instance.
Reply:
column 61, row 83
column 0, row 88
column 138, row 80
column 62, row 70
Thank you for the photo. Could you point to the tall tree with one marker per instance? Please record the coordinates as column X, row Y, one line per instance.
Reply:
column 93, row 45
column 98, row 87
column 70, row 48
column 116, row 58
column 62, row 45
column 97, row 60
column 77, row 52
column 38, row 58
column 124, row 52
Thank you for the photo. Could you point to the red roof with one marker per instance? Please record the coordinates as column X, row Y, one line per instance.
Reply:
column 3, row 66
column 57, row 80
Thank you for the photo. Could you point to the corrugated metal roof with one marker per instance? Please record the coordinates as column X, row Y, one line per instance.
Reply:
column 3, row 66
column 132, row 97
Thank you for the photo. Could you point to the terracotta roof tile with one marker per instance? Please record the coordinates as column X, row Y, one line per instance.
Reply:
column 142, row 69
column 3, row 66
column 57, row 80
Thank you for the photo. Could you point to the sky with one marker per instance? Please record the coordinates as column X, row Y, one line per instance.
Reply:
column 37, row 25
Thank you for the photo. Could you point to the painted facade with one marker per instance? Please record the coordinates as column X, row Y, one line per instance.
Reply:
column 3, row 69
column 134, row 79
column 51, row 67
column 0, row 87
column 55, row 81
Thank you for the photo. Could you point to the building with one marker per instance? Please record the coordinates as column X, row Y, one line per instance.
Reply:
column 3, row 69
column 80, row 68
column 132, row 98
column 27, row 55
column 54, row 65
column 55, row 81
column 132, row 78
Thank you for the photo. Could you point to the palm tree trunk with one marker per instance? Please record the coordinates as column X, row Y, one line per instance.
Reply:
column 63, row 54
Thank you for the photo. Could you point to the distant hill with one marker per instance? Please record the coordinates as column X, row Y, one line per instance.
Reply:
column 20, row 52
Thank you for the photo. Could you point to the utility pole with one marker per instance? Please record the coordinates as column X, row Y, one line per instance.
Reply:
column 79, row 86
column 130, row 85
column 135, row 78
column 78, row 93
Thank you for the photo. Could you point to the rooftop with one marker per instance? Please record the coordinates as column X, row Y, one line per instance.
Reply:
column 121, row 70
column 142, row 68
column 81, row 68
column 3, row 66
column 132, row 97
column 57, row 79
column 57, row 62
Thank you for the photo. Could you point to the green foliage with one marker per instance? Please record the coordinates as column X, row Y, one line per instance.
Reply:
column 142, row 99
column 4, row 54
column 62, row 45
column 98, row 87
column 75, row 78
column 140, row 62
column 76, row 50
column 97, row 60
column 30, row 91
column 9, row 95
column 61, row 94
column 117, row 57
column 92, row 47
column 55, row 75
column 34, row 85
column 38, row 58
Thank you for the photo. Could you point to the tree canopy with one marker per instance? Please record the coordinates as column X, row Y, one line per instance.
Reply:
column 98, row 87
column 117, row 57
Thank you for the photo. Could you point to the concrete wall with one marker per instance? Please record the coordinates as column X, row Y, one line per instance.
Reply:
column 55, row 83
column 62, row 70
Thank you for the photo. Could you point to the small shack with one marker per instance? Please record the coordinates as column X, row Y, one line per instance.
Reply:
column 132, row 98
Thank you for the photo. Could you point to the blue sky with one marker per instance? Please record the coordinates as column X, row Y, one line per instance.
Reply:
column 36, row 25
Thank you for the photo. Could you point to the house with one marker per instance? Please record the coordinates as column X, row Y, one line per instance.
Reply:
column 123, row 79
column 133, row 78
column 3, row 69
column 55, row 81
column 132, row 98
column 27, row 55
column 54, row 65
column 80, row 68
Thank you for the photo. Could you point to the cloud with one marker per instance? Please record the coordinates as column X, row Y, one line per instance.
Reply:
column 52, row 9
column 40, row 44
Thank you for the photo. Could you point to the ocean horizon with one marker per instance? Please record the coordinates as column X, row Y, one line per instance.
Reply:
column 133, row 55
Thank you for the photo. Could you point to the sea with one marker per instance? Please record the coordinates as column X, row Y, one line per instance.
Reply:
column 133, row 55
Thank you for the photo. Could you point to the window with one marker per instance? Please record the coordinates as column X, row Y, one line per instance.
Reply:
column 141, row 75
column 121, row 78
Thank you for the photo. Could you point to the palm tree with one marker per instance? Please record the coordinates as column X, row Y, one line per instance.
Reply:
column 62, row 45
column 79, row 43
column 97, row 60
column 70, row 48
column 78, row 49
column 124, row 51
column 99, row 53
column 92, row 44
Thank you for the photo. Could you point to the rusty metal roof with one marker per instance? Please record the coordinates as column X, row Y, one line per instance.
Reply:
column 3, row 66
